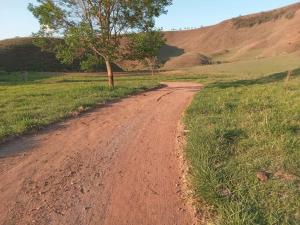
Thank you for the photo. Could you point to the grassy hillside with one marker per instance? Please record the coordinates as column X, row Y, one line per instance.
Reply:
column 260, row 35
column 265, row 17
column 263, row 35
column 19, row 54
column 254, row 67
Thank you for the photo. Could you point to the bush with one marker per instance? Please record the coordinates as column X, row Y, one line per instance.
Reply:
column 264, row 17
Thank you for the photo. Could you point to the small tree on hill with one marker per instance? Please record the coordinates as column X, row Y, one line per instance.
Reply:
column 94, row 28
column 145, row 47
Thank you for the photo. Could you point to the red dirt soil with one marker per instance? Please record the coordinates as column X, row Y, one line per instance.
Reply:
column 117, row 165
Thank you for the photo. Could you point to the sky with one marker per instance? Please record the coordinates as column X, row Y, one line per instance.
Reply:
column 16, row 20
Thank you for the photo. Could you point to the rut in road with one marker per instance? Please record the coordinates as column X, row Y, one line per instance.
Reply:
column 117, row 165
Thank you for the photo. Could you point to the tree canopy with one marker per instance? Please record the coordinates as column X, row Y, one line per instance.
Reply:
column 95, row 28
column 145, row 47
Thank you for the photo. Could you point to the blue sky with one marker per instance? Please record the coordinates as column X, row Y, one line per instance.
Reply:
column 16, row 20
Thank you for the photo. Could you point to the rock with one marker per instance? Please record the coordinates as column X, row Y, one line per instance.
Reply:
column 82, row 190
column 74, row 114
column 225, row 192
column 87, row 207
column 262, row 176
column 73, row 173
column 81, row 109
column 186, row 132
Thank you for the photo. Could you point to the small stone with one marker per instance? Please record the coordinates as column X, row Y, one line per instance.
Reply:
column 82, row 190
column 97, row 174
column 262, row 176
column 225, row 192
column 59, row 212
column 74, row 114
column 87, row 207
column 81, row 109
column 73, row 173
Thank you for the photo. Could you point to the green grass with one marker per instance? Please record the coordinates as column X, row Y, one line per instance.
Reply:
column 238, row 128
column 250, row 67
column 45, row 99
column 246, row 120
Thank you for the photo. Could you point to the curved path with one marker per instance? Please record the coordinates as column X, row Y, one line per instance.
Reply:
column 117, row 165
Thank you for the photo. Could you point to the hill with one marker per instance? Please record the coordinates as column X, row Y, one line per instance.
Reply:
column 260, row 35
column 21, row 54
column 252, row 37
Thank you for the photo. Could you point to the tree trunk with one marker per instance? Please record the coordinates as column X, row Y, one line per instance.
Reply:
column 110, row 74
column 288, row 76
column 152, row 70
column 151, row 62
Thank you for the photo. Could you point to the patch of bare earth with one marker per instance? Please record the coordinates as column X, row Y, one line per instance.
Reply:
column 117, row 165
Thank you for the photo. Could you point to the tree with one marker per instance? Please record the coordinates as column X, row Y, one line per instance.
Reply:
column 145, row 47
column 94, row 28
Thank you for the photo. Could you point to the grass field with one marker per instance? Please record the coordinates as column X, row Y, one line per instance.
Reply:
column 240, row 128
column 45, row 99
column 251, row 67
column 246, row 121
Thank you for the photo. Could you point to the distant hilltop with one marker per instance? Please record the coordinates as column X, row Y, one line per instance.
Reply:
column 259, row 35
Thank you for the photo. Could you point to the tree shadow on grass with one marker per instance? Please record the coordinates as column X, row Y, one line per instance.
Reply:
column 14, row 78
column 276, row 77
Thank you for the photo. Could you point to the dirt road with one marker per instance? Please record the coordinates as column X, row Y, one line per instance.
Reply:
column 117, row 165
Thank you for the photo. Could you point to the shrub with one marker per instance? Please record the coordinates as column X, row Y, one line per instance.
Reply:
column 264, row 17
